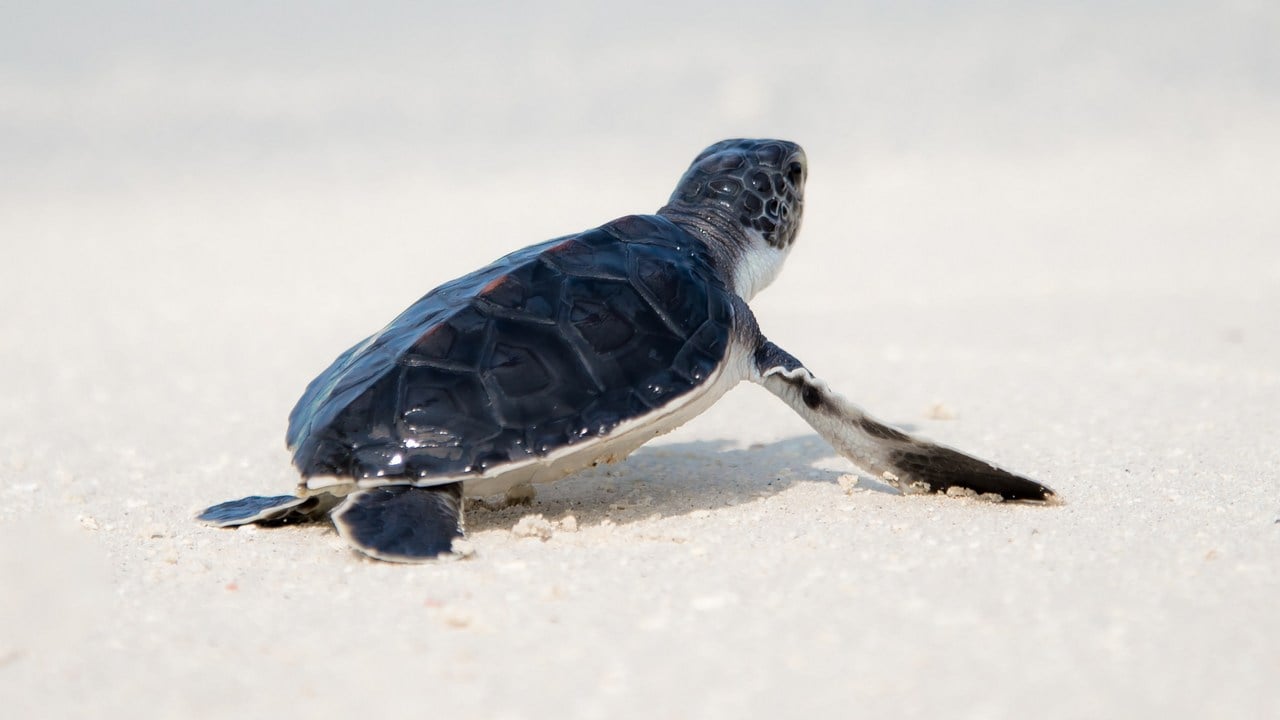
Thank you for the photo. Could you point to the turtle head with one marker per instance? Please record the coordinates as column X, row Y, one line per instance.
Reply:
column 751, row 190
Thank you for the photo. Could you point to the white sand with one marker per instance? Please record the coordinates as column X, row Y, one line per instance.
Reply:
column 1061, row 226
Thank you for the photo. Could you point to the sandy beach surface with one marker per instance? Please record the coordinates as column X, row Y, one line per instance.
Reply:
column 1047, row 235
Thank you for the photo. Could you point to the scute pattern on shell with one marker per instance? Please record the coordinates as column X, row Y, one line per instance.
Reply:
column 549, row 346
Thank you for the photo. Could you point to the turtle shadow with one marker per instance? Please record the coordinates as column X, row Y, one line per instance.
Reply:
column 675, row 479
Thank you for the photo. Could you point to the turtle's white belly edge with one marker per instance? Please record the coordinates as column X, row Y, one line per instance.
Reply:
column 625, row 439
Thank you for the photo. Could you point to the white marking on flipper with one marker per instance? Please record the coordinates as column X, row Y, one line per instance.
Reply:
column 801, row 373
column 792, row 374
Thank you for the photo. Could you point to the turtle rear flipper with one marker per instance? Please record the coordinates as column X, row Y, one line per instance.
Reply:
column 274, row 510
column 402, row 523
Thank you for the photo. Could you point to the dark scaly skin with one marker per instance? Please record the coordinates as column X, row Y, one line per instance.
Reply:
column 547, row 347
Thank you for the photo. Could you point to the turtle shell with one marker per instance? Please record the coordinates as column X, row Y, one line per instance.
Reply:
column 550, row 346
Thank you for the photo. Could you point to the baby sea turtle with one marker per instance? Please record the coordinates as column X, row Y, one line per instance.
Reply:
column 573, row 352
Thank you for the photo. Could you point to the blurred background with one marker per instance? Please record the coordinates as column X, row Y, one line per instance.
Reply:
column 325, row 135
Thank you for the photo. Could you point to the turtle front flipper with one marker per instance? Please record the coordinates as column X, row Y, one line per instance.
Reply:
column 908, row 463
column 274, row 510
column 402, row 523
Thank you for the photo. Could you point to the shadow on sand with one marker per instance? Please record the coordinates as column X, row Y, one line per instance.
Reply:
column 674, row 479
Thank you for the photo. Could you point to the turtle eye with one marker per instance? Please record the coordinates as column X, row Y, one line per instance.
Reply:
column 794, row 172
column 725, row 186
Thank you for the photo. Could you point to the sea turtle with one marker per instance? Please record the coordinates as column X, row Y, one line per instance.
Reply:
column 572, row 352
